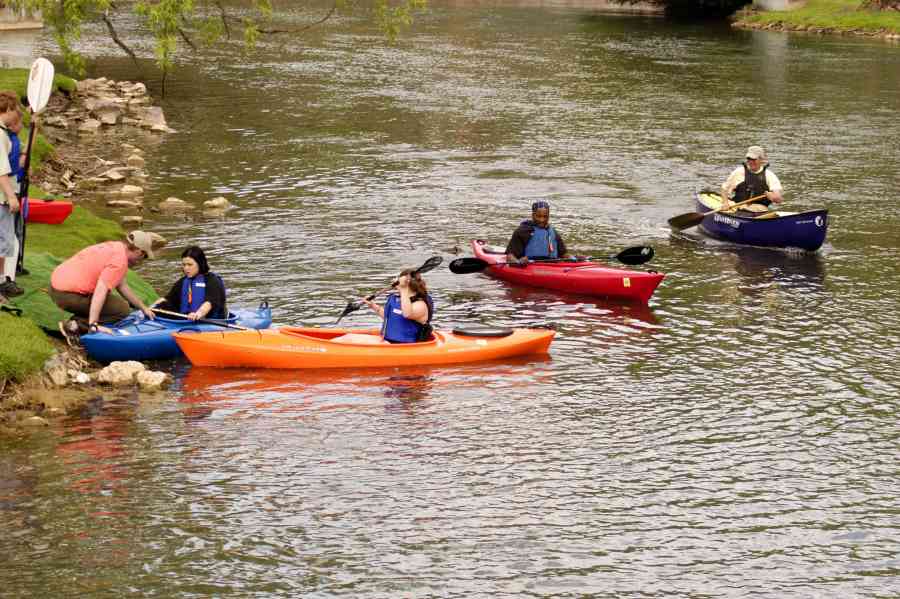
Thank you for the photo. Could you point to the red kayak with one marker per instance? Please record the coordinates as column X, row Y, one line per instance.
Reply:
column 48, row 212
column 582, row 277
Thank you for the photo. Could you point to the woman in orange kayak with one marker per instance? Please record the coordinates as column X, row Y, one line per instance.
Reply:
column 406, row 314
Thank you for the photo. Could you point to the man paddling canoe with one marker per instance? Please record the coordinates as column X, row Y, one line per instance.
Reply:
column 753, row 178
column 535, row 238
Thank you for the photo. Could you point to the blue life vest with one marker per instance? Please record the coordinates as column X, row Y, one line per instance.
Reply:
column 193, row 294
column 15, row 151
column 542, row 243
column 399, row 329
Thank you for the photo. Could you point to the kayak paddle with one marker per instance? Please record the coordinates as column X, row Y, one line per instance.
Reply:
column 206, row 320
column 690, row 219
column 631, row 256
column 353, row 306
column 40, row 85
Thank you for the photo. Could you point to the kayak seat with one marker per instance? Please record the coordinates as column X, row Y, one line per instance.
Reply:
column 482, row 331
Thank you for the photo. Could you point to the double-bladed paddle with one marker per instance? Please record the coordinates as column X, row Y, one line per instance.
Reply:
column 691, row 219
column 40, row 85
column 205, row 320
column 353, row 306
column 631, row 256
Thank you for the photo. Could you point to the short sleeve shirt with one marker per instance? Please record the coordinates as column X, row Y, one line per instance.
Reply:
column 737, row 177
column 5, row 169
column 79, row 274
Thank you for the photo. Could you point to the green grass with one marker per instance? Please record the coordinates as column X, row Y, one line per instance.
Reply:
column 24, row 349
column 841, row 15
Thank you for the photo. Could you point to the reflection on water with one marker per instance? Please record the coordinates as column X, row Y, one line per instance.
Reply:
column 734, row 438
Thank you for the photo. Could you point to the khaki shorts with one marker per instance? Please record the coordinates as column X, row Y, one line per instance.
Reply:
column 114, row 308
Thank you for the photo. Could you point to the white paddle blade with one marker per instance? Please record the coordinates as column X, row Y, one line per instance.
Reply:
column 40, row 84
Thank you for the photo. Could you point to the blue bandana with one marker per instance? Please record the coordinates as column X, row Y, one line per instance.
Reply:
column 540, row 204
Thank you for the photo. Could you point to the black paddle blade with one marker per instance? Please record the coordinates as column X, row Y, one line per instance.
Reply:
column 635, row 255
column 351, row 307
column 430, row 264
column 464, row 266
column 686, row 221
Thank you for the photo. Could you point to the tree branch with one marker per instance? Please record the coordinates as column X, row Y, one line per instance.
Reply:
column 224, row 17
column 186, row 39
column 115, row 37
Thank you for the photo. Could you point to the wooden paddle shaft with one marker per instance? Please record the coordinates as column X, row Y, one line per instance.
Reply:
column 747, row 201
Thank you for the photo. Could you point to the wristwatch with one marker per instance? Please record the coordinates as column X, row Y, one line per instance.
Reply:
column 93, row 327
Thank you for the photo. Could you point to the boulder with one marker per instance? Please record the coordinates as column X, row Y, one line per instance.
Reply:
column 151, row 380
column 56, row 370
column 218, row 203
column 132, row 221
column 158, row 241
column 136, row 161
column 125, row 204
column 131, row 190
column 89, row 126
column 113, row 175
column 173, row 205
column 120, row 373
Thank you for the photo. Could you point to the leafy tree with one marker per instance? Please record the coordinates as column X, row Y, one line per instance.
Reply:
column 197, row 22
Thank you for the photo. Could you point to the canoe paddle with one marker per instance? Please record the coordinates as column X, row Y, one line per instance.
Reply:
column 205, row 320
column 691, row 219
column 353, row 306
column 631, row 256
column 40, row 85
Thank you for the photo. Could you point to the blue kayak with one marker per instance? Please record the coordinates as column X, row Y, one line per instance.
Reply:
column 803, row 230
column 139, row 338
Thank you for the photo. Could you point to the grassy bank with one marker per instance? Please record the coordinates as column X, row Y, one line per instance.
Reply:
column 824, row 16
column 25, row 345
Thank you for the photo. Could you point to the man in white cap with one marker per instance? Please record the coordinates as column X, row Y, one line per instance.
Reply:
column 82, row 284
column 753, row 178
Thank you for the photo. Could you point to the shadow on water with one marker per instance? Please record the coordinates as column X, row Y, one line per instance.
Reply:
column 581, row 305
column 790, row 269
column 203, row 389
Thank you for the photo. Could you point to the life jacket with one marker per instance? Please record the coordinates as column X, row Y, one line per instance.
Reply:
column 542, row 243
column 754, row 184
column 193, row 294
column 14, row 153
column 399, row 329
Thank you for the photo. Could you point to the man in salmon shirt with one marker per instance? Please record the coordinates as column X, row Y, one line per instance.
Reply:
column 82, row 284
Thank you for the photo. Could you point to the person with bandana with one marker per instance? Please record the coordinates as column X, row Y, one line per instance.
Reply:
column 535, row 238
column 199, row 293
column 750, row 179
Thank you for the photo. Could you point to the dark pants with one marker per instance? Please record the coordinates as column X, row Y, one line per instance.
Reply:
column 114, row 308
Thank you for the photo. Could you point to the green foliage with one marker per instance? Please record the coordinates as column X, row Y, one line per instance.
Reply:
column 830, row 14
column 24, row 349
column 172, row 22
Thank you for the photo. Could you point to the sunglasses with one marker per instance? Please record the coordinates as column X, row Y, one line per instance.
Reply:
column 748, row 158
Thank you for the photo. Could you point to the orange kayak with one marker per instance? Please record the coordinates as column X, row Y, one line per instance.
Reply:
column 296, row 347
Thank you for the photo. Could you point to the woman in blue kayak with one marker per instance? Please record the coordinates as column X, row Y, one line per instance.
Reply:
column 406, row 314
column 199, row 293
column 535, row 238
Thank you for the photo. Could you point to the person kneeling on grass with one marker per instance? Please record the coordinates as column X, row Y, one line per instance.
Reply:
column 406, row 314
column 199, row 293
column 82, row 284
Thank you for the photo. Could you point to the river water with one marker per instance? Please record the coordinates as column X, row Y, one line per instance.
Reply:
column 736, row 438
